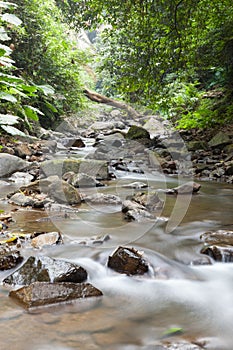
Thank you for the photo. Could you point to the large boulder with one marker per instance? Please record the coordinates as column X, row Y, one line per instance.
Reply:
column 9, row 164
column 137, row 133
column 221, row 139
column 45, row 269
column 44, row 293
column 96, row 168
column 62, row 192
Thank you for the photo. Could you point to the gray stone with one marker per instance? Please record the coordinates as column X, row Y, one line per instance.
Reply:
column 135, row 212
column 137, row 133
column 220, row 139
column 197, row 145
column 150, row 201
column 21, row 177
column 96, row 168
column 44, row 293
column 63, row 192
column 81, row 180
column 101, row 198
column 45, row 269
column 100, row 126
column 9, row 164
column 22, row 200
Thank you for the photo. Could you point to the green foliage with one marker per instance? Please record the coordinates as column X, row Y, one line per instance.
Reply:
column 15, row 93
column 145, row 43
column 46, row 53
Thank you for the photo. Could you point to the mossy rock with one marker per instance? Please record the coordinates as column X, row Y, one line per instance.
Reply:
column 197, row 145
column 137, row 133
column 95, row 168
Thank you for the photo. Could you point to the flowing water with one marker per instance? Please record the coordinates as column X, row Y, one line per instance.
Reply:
column 134, row 312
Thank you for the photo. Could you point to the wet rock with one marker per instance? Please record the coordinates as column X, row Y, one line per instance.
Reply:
column 180, row 345
column 96, row 168
column 187, row 188
column 94, row 240
column 128, row 261
column 218, row 237
column 101, row 198
column 134, row 211
column 150, row 201
column 219, row 253
column 45, row 269
column 9, row 164
column 43, row 293
column 81, row 180
column 9, row 258
column 46, row 239
column 63, row 192
column 136, row 185
column 137, row 133
column 56, row 207
column 221, row 139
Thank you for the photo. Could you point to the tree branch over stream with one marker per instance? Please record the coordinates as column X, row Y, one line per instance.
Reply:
column 94, row 96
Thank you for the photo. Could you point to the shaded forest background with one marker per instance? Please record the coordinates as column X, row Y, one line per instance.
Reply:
column 172, row 57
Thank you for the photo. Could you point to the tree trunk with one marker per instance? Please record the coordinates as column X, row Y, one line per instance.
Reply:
column 94, row 96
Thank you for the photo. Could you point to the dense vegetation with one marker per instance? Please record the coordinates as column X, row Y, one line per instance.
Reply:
column 172, row 56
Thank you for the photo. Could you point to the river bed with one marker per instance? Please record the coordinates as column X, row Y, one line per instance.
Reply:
column 134, row 312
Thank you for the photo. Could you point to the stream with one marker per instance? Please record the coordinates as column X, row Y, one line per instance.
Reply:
column 135, row 311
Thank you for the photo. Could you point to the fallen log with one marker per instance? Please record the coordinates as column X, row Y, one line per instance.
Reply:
column 95, row 97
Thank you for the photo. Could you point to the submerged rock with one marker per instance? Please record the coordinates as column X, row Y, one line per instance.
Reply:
column 187, row 188
column 45, row 269
column 44, row 293
column 94, row 240
column 101, row 198
column 136, row 185
column 9, row 258
column 128, row 261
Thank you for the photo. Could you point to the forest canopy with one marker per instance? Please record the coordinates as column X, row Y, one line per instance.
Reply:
column 173, row 57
